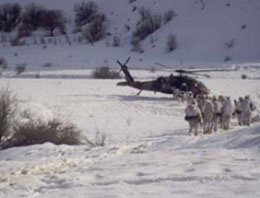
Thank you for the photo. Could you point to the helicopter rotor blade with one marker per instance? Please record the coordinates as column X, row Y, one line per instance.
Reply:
column 118, row 62
column 211, row 70
column 181, row 71
column 204, row 75
column 164, row 66
column 127, row 60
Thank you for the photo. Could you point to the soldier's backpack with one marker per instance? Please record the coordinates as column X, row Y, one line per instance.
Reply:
column 190, row 111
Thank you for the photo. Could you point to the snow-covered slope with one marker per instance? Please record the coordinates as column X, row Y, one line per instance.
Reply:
column 202, row 29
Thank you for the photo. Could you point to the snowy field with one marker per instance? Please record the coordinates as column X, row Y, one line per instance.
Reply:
column 148, row 152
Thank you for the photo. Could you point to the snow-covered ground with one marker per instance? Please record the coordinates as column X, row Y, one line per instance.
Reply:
column 148, row 152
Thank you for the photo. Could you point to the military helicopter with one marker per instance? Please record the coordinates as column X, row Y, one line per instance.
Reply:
column 168, row 84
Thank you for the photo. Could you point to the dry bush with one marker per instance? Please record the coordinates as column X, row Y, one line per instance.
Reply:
column 8, row 105
column 243, row 27
column 17, row 41
column 171, row 43
column 39, row 132
column 131, row 1
column 230, row 44
column 3, row 63
column 244, row 76
column 105, row 73
column 22, row 128
column 99, row 141
column 137, row 47
column 20, row 68
column 116, row 41
column 47, row 64
column 23, row 31
column 227, row 58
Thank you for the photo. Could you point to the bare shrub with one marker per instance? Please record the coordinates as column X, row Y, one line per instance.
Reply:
column 243, row 27
column 100, row 140
column 23, row 31
column 17, row 41
column 230, row 44
column 68, row 39
column 131, row 1
column 171, row 43
column 49, row 41
column 96, row 29
column 152, row 70
column 20, row 68
column 10, row 16
column 227, row 58
column 38, row 132
column 42, row 40
column 134, row 8
column 85, row 12
column 137, row 47
column 3, row 63
column 168, row 16
column 116, row 41
column 105, row 73
column 79, row 39
column 47, row 64
column 244, row 76
column 8, row 104
column 3, row 37
column 147, row 25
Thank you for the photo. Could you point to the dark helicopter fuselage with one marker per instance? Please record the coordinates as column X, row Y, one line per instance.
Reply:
column 165, row 85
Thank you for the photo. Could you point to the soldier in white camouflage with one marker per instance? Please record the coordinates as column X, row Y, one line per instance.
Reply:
column 193, row 117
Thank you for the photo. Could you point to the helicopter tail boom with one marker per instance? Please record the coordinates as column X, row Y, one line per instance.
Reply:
column 128, row 76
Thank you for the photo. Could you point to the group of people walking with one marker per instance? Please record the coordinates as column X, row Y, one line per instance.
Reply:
column 214, row 113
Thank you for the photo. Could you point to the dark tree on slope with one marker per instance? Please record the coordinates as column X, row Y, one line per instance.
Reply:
column 168, row 16
column 171, row 43
column 147, row 25
column 32, row 16
column 95, row 30
column 10, row 16
column 85, row 12
column 51, row 20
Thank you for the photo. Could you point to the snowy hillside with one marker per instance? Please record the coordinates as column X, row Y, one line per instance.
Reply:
column 208, row 32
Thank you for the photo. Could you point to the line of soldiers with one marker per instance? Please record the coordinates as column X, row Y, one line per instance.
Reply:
column 214, row 112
